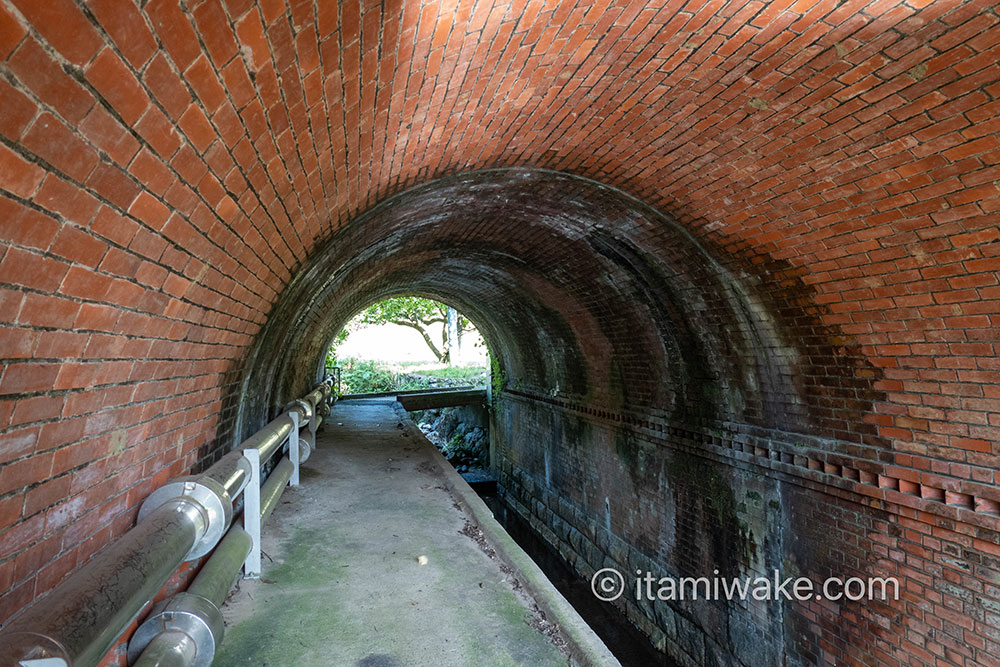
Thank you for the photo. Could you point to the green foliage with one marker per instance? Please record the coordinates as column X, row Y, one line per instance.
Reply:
column 331, row 354
column 498, row 378
column 366, row 377
column 408, row 308
column 369, row 377
column 410, row 383
column 417, row 313
column 455, row 372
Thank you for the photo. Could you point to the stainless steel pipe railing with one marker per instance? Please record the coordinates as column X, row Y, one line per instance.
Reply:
column 275, row 484
column 171, row 648
column 216, row 577
column 184, row 631
column 271, row 437
column 81, row 619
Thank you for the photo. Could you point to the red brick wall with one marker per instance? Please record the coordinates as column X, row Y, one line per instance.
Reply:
column 166, row 171
column 636, row 492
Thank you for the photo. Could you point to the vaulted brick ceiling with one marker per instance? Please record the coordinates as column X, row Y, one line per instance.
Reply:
column 167, row 172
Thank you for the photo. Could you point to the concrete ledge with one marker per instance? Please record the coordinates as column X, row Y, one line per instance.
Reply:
column 585, row 647
column 442, row 399
column 407, row 392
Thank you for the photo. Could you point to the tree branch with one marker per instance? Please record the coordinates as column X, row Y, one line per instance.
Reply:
column 427, row 338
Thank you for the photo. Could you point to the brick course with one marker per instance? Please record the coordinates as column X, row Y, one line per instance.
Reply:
column 166, row 171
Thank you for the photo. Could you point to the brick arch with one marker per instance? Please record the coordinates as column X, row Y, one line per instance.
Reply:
column 588, row 294
column 167, row 171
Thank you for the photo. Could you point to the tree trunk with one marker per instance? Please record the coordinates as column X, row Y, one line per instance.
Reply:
column 445, row 345
column 453, row 336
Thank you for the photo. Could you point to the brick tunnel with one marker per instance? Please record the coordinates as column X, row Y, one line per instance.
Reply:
column 737, row 263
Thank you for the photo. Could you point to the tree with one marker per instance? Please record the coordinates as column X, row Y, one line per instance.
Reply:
column 331, row 354
column 422, row 315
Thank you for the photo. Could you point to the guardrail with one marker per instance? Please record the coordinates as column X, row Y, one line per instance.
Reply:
column 79, row 621
column 336, row 375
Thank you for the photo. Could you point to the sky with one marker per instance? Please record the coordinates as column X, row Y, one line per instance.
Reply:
column 395, row 343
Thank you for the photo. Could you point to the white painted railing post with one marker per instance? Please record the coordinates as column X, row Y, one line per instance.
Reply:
column 251, row 514
column 293, row 448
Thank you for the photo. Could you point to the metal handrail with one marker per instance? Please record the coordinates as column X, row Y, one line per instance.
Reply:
column 83, row 617
column 185, row 630
column 335, row 374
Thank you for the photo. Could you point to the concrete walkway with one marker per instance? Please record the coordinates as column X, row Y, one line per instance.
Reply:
column 342, row 584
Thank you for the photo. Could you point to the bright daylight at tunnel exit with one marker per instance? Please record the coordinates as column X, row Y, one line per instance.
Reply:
column 467, row 333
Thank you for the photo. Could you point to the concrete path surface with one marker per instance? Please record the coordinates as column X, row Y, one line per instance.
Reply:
column 343, row 584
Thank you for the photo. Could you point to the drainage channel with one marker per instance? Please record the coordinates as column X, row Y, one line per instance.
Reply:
column 624, row 640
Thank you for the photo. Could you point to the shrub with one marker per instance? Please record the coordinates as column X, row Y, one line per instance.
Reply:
column 366, row 377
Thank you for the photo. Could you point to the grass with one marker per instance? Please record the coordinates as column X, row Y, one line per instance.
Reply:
column 363, row 376
column 450, row 372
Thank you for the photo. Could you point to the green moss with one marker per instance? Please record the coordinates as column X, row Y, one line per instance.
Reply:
column 918, row 72
column 498, row 379
column 730, row 532
column 281, row 628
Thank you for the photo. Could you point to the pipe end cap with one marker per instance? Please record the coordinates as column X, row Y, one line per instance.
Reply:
column 190, row 614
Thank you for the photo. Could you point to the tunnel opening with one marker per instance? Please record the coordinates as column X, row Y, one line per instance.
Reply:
column 433, row 358
column 641, row 316
column 657, row 395
column 407, row 343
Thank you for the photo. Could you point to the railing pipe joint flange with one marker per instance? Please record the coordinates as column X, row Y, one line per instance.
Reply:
column 204, row 494
column 306, row 408
column 34, row 647
column 193, row 615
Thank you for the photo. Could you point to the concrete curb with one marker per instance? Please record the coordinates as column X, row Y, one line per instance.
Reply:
column 584, row 646
column 408, row 392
